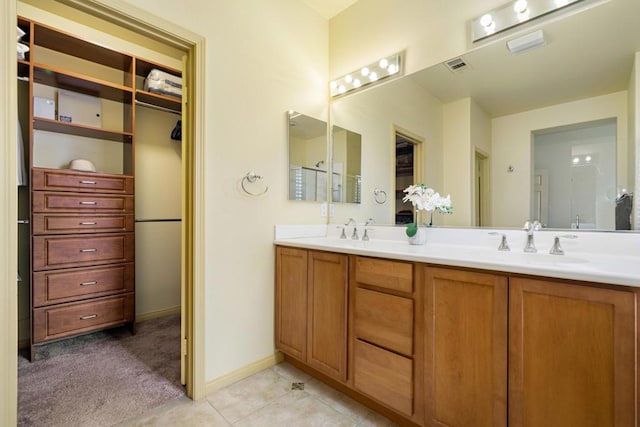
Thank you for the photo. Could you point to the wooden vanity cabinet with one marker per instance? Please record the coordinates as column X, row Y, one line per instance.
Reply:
column 386, row 331
column 311, row 309
column 465, row 363
column 572, row 354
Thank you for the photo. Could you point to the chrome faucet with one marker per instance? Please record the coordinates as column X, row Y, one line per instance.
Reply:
column 504, row 246
column 370, row 221
column 556, row 249
column 350, row 221
column 530, row 227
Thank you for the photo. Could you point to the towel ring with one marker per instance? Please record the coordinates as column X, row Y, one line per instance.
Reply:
column 252, row 177
column 380, row 196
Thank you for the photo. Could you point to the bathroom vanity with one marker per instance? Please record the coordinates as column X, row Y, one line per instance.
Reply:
column 456, row 333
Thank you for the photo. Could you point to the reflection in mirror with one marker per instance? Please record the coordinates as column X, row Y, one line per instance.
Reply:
column 307, row 154
column 346, row 168
column 481, row 124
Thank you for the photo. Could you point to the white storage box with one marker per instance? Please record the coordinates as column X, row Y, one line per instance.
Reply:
column 163, row 83
column 44, row 107
column 78, row 108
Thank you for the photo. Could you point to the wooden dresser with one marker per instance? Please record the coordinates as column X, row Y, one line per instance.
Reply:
column 82, row 254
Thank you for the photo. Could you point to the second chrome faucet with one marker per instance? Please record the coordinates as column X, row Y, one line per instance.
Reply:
column 529, row 227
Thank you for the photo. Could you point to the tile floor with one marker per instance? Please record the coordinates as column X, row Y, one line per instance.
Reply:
column 268, row 398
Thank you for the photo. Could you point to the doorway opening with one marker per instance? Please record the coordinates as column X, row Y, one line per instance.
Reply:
column 481, row 190
column 407, row 171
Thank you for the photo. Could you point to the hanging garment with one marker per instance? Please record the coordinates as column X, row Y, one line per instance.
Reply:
column 623, row 212
column 176, row 133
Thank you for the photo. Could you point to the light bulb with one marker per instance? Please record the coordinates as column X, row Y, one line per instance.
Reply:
column 364, row 71
column 373, row 76
column 520, row 6
column 333, row 85
column 486, row 20
column 393, row 68
column 356, row 83
column 576, row 160
column 342, row 89
column 384, row 63
column 587, row 159
column 348, row 78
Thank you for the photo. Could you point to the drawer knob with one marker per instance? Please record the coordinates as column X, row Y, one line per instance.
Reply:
column 89, row 283
column 87, row 182
column 89, row 250
column 87, row 203
column 91, row 316
column 88, row 223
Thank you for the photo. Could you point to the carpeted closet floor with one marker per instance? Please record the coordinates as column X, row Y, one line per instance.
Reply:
column 102, row 378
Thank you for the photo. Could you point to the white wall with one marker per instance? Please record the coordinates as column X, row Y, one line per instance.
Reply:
column 634, row 137
column 262, row 58
column 511, row 145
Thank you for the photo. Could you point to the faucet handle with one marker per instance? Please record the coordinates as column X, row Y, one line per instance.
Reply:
column 556, row 249
column 504, row 246
column 342, row 235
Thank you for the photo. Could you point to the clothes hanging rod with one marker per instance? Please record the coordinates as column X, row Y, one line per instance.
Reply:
column 157, row 107
column 159, row 220
column 23, row 79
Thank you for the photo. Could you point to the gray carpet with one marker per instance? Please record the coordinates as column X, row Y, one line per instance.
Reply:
column 103, row 378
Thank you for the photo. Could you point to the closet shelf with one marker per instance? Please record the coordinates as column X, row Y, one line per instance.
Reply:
column 81, row 130
column 163, row 101
column 80, row 83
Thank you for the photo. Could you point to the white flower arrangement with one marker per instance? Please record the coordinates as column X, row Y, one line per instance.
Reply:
column 426, row 199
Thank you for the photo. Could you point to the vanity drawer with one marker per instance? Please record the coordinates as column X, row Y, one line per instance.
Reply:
column 67, row 180
column 385, row 320
column 385, row 376
column 43, row 201
column 69, row 319
column 55, row 287
column 73, row 224
column 392, row 275
column 51, row 252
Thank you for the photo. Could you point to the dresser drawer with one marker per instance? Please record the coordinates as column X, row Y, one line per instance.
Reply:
column 55, row 287
column 385, row 376
column 384, row 320
column 46, row 202
column 392, row 275
column 73, row 224
column 51, row 252
column 68, row 180
column 69, row 319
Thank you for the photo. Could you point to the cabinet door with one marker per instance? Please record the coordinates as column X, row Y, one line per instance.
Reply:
column 465, row 348
column 572, row 355
column 327, row 327
column 291, row 301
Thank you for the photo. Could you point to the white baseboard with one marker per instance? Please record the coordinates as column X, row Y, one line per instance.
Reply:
column 156, row 314
column 242, row 373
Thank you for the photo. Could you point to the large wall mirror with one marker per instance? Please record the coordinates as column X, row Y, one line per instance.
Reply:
column 307, row 158
column 546, row 134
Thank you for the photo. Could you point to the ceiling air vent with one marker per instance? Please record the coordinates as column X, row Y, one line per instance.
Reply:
column 457, row 65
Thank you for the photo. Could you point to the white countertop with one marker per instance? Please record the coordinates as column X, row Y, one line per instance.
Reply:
column 612, row 258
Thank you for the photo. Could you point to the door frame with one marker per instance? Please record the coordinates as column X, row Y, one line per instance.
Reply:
column 131, row 17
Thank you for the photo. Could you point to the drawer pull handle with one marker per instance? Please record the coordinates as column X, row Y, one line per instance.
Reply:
column 89, row 283
column 87, row 203
column 87, row 182
column 89, row 250
column 88, row 223
column 91, row 316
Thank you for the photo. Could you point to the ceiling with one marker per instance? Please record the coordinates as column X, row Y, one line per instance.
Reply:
column 328, row 8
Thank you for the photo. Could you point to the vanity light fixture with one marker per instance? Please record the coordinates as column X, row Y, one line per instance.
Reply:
column 375, row 72
column 512, row 14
